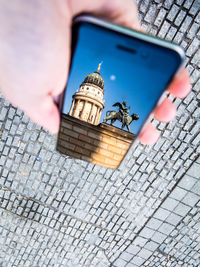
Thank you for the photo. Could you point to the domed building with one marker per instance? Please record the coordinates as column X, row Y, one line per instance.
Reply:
column 88, row 103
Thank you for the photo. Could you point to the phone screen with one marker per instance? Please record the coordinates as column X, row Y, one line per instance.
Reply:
column 115, row 79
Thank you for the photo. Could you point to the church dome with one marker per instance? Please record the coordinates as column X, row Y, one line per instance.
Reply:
column 95, row 78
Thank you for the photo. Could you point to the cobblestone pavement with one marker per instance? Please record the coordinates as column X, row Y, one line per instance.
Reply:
column 57, row 211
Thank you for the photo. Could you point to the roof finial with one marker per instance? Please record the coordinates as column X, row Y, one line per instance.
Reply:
column 99, row 66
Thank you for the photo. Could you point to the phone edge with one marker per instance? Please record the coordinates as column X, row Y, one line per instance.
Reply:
column 134, row 33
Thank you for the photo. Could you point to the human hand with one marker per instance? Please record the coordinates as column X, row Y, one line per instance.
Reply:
column 35, row 52
column 166, row 110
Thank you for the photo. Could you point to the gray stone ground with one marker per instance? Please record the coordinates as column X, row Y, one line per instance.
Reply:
column 57, row 211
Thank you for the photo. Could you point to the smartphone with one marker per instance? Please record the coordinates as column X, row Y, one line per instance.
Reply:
column 117, row 75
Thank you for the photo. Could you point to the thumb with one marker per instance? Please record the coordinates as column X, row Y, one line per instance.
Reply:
column 122, row 12
column 45, row 113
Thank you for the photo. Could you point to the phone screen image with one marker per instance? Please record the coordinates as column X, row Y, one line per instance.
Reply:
column 114, row 83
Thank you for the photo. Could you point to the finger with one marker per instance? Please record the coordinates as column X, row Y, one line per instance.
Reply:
column 180, row 86
column 122, row 12
column 166, row 111
column 149, row 135
column 45, row 114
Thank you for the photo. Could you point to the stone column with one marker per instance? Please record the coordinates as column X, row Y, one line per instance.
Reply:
column 91, row 111
column 97, row 115
column 83, row 110
column 72, row 106
column 76, row 109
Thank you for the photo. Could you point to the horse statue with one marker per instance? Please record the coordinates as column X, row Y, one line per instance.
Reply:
column 121, row 116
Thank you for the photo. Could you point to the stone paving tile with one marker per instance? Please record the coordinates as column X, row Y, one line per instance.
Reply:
column 180, row 245
column 57, row 211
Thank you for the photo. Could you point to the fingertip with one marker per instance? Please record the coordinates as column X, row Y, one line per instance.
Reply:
column 166, row 111
column 181, row 85
column 150, row 135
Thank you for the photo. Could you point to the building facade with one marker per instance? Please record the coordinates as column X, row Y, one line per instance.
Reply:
column 88, row 103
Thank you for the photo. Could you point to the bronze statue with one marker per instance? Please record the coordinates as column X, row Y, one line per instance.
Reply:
column 123, row 109
column 122, row 116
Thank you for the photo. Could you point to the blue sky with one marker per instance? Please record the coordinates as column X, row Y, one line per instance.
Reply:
column 135, row 78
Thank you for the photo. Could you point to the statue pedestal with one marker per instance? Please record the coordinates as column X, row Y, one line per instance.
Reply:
column 104, row 144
